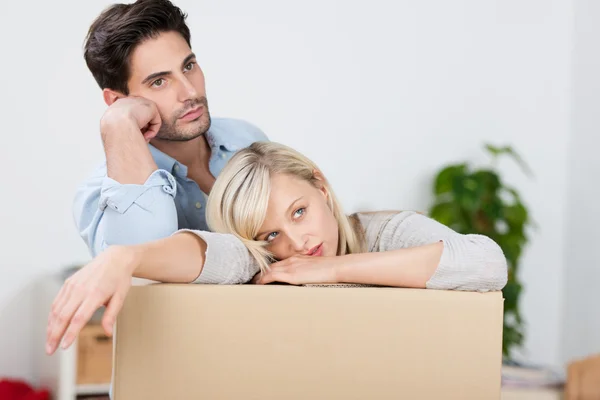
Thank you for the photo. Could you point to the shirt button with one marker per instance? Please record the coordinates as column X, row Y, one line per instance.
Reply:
column 176, row 167
column 198, row 205
column 222, row 155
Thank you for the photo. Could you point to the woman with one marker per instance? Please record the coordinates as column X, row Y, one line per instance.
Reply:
column 275, row 218
column 281, row 207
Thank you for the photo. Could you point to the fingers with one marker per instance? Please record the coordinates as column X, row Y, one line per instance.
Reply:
column 61, row 316
column 82, row 316
column 276, row 274
column 256, row 278
column 57, row 304
column 266, row 278
column 154, row 123
column 151, row 130
column 110, row 314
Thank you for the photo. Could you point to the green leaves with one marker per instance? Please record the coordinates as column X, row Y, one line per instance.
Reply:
column 516, row 216
column 508, row 150
column 445, row 180
column 444, row 213
column 511, row 293
column 475, row 201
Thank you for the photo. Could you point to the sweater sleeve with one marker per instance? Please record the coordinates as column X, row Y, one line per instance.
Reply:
column 227, row 260
column 469, row 262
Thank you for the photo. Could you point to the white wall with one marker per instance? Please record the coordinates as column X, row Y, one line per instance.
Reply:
column 581, row 336
column 380, row 96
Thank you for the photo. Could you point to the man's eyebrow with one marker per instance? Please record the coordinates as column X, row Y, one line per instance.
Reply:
column 288, row 210
column 188, row 59
column 155, row 75
column 161, row 74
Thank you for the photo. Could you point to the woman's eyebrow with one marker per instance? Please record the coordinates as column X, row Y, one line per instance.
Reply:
column 288, row 210
column 293, row 203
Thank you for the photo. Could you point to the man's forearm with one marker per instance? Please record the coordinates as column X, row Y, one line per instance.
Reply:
column 176, row 259
column 128, row 159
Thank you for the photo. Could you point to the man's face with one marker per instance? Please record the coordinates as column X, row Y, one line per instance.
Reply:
column 164, row 70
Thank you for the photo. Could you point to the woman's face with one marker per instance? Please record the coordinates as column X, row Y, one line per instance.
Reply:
column 299, row 220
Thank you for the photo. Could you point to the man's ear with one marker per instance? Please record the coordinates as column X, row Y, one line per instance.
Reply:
column 110, row 96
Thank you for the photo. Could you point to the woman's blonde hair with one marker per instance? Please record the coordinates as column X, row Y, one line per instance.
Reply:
column 238, row 201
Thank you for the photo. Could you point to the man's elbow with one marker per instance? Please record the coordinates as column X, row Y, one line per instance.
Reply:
column 139, row 225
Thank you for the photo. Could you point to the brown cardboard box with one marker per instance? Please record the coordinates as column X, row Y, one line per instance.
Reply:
column 94, row 356
column 280, row 342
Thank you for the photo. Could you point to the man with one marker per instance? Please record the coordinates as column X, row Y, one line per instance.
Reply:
column 162, row 155
column 162, row 149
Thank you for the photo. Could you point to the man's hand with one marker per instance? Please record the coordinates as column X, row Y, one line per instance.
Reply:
column 131, row 111
column 298, row 270
column 127, row 127
column 104, row 281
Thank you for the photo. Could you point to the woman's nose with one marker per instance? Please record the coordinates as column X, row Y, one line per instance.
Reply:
column 299, row 242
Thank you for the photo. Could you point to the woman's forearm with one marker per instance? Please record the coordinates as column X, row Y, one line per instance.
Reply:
column 175, row 259
column 410, row 267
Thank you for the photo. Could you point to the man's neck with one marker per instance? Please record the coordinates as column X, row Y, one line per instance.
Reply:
column 194, row 154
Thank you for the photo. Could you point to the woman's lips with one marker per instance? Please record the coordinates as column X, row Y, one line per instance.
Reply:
column 316, row 251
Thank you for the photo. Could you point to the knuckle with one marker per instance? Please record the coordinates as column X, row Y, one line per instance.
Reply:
column 62, row 318
column 55, row 313
column 97, row 292
column 72, row 284
column 78, row 319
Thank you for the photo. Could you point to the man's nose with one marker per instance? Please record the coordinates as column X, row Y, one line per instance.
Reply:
column 187, row 91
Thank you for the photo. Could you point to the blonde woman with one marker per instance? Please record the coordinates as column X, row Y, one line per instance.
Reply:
column 275, row 218
column 280, row 206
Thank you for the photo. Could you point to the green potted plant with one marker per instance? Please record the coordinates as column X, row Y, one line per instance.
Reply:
column 477, row 200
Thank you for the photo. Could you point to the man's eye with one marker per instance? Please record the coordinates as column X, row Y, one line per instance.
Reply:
column 189, row 66
column 159, row 82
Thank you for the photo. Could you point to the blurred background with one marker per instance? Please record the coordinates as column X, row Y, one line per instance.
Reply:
column 381, row 94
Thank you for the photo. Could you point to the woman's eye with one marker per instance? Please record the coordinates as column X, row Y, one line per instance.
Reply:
column 271, row 236
column 299, row 212
column 158, row 82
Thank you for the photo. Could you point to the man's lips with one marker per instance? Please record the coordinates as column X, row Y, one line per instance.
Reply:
column 316, row 251
column 192, row 114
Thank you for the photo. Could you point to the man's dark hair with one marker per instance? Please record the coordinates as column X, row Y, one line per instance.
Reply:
column 119, row 29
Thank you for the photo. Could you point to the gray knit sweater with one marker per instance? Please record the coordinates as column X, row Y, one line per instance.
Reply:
column 468, row 262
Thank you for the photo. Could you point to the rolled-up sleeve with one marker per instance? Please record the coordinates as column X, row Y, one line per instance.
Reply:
column 227, row 260
column 120, row 197
column 107, row 212
column 468, row 262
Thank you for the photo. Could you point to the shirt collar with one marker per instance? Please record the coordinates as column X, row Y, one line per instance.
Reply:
column 217, row 137
column 167, row 163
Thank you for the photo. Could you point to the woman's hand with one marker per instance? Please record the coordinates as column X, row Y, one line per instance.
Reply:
column 104, row 281
column 300, row 269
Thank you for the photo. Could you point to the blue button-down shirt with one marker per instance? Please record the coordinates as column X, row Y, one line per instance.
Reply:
column 107, row 212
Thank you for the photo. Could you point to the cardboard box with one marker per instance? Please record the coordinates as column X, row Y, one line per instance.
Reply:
column 94, row 356
column 281, row 342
